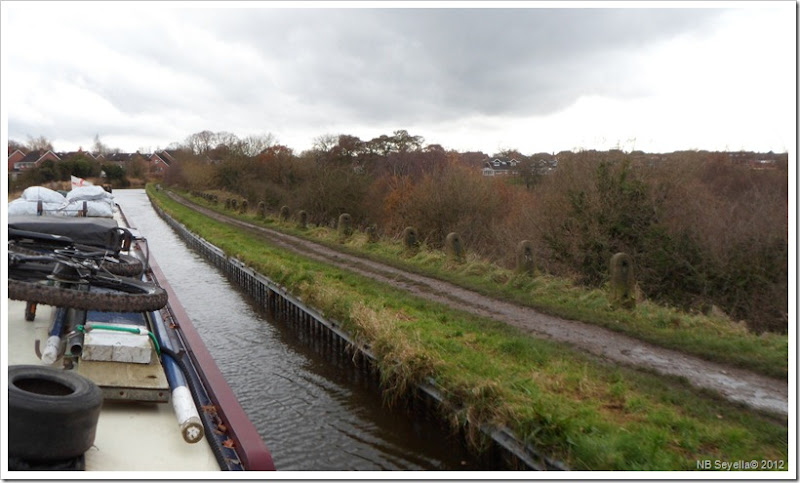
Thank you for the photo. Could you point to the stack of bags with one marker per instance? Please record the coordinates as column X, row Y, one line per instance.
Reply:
column 99, row 202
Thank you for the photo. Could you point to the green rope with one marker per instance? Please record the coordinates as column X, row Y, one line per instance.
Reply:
column 132, row 330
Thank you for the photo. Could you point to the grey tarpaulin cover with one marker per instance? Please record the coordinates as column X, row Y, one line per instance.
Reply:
column 97, row 232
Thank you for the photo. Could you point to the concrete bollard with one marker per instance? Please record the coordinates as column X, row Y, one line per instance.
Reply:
column 454, row 247
column 345, row 225
column 302, row 219
column 372, row 233
column 623, row 283
column 410, row 238
column 525, row 262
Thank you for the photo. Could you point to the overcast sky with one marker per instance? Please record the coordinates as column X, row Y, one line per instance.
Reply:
column 143, row 75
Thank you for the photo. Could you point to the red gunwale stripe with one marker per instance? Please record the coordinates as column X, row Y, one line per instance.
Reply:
column 251, row 448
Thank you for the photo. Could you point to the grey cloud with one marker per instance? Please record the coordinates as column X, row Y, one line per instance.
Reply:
column 416, row 64
column 67, row 127
column 303, row 68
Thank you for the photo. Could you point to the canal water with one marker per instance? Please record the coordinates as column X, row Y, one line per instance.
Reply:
column 313, row 415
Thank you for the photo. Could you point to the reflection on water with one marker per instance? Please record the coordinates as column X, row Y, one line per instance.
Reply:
column 311, row 414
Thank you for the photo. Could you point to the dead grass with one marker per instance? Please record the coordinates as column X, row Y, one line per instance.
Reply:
column 403, row 364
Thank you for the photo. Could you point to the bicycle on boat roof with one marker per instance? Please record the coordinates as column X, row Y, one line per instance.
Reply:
column 55, row 269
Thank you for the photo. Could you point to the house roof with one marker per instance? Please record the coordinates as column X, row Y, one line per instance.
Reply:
column 164, row 158
column 35, row 156
column 501, row 164
column 32, row 157
column 121, row 157
column 168, row 156
column 13, row 153
column 75, row 153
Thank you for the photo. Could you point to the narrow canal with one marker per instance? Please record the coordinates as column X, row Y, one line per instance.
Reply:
column 313, row 415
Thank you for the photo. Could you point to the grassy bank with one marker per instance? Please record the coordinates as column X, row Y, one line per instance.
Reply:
column 588, row 414
column 713, row 337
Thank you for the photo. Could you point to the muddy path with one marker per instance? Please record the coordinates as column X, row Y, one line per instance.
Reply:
column 746, row 387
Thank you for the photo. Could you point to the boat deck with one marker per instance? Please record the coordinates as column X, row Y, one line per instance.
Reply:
column 131, row 436
column 138, row 429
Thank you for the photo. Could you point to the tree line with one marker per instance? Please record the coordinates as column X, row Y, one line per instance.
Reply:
column 703, row 228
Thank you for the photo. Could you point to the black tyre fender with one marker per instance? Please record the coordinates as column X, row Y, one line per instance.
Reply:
column 52, row 413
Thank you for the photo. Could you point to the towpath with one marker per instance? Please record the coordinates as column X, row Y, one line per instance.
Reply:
column 743, row 386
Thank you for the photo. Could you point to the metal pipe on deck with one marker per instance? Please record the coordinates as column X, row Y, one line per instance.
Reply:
column 75, row 337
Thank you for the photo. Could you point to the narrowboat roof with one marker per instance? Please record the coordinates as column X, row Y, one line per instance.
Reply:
column 137, row 429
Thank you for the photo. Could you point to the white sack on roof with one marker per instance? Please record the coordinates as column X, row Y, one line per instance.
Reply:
column 99, row 202
column 88, row 193
column 93, row 208
column 36, row 193
column 22, row 206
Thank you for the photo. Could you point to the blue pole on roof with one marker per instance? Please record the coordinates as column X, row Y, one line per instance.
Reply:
column 182, row 401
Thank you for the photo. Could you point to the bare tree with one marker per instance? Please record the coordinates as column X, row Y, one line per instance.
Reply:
column 322, row 148
column 14, row 145
column 200, row 142
column 39, row 144
column 325, row 143
column 224, row 139
column 101, row 148
column 256, row 144
column 213, row 144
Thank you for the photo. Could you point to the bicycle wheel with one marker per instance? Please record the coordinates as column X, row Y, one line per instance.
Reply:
column 127, row 265
column 107, row 293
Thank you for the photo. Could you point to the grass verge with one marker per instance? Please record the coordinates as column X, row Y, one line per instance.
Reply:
column 591, row 415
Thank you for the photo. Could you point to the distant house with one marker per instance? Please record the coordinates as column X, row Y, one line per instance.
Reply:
column 500, row 167
column 160, row 161
column 73, row 154
column 544, row 165
column 14, row 158
column 763, row 164
column 18, row 164
column 122, row 159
